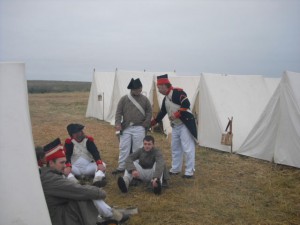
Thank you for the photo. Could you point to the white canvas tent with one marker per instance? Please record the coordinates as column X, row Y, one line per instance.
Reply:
column 272, row 83
column 276, row 135
column 213, row 97
column 21, row 196
column 108, row 87
column 100, row 95
column 225, row 96
column 120, row 88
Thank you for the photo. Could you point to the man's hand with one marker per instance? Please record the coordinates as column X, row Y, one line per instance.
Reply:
column 118, row 127
column 135, row 173
column 67, row 170
column 154, row 182
column 101, row 167
column 172, row 117
column 153, row 122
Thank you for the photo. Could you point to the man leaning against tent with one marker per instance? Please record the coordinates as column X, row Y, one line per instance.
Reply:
column 69, row 202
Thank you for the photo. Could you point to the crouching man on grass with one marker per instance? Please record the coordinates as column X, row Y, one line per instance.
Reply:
column 146, row 164
column 70, row 203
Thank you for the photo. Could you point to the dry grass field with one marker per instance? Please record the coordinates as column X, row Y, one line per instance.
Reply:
column 227, row 189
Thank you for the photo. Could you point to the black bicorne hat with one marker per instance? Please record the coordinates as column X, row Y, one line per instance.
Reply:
column 134, row 84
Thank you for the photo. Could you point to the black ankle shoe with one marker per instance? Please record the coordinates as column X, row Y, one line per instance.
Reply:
column 122, row 185
column 157, row 190
column 171, row 173
column 100, row 183
column 124, row 218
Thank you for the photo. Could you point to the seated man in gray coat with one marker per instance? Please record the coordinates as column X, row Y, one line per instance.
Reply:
column 70, row 203
column 146, row 164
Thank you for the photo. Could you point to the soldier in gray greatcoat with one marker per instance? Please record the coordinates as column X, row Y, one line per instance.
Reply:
column 70, row 203
column 133, row 116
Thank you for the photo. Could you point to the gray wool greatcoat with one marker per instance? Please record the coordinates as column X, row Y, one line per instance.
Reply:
column 69, row 203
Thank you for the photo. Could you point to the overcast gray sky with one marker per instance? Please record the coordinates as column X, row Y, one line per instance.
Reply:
column 67, row 39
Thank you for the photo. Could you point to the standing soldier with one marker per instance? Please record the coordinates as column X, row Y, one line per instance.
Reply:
column 133, row 117
column 184, row 131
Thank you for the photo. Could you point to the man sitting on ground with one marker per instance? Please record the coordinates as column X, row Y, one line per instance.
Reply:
column 83, row 157
column 70, row 203
column 146, row 164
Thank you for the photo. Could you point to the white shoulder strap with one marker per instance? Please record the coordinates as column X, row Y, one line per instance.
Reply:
column 136, row 104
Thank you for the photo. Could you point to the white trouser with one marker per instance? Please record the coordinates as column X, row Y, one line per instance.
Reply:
column 103, row 209
column 132, row 135
column 145, row 174
column 183, row 144
column 85, row 167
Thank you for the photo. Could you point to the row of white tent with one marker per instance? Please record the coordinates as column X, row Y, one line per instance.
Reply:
column 265, row 111
column 273, row 130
